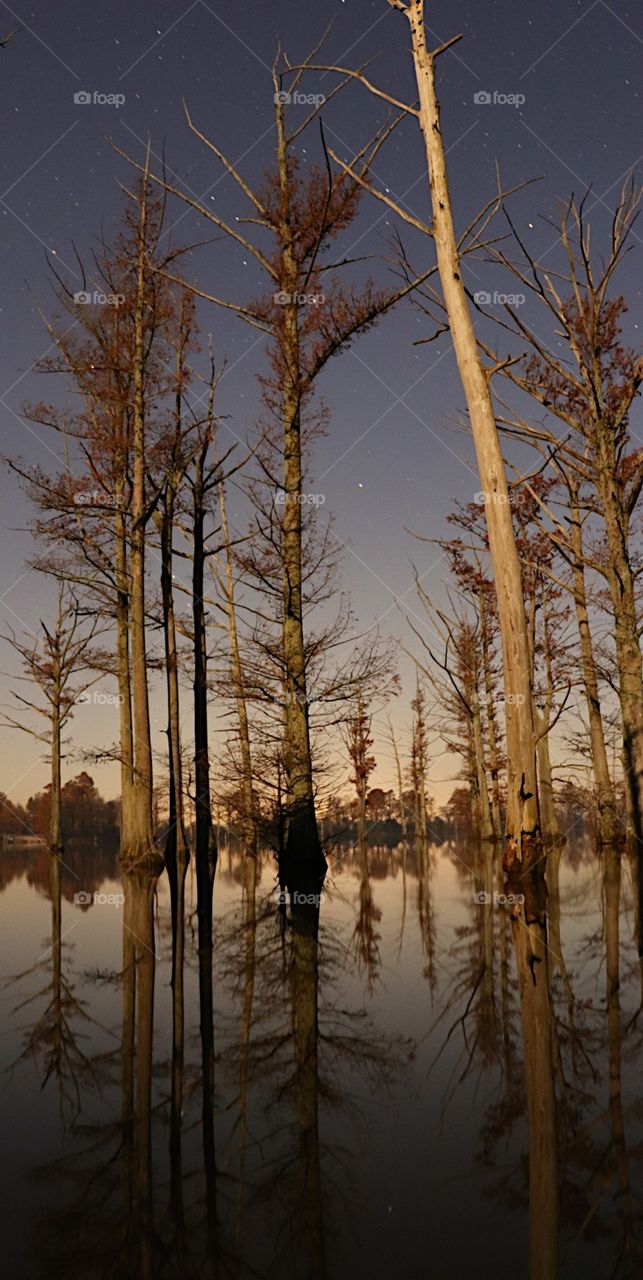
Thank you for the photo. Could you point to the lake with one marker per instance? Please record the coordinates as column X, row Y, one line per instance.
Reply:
column 375, row 1084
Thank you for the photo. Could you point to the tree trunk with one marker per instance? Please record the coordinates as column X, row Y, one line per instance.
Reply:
column 492, row 730
column 249, row 815
column 612, row 890
column 204, row 844
column 400, row 787
column 523, row 819
column 55, row 807
column 607, row 819
column 486, row 830
column 176, row 847
column 141, row 839
column 302, row 840
column 621, row 581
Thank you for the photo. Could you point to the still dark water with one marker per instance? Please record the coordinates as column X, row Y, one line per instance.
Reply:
column 369, row 1113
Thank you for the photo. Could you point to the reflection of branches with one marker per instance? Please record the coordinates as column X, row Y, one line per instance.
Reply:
column 366, row 939
column 305, row 1052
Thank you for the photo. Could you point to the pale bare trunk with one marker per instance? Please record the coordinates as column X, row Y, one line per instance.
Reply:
column 400, row 787
column 523, row 819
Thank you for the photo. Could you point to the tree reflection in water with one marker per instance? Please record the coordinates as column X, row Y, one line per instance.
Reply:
column 216, row 1128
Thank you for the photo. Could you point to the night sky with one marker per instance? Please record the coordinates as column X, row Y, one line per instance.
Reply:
column 393, row 457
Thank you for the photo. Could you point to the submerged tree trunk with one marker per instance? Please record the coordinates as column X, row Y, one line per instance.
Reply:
column 529, row 923
column 612, row 891
column 304, row 987
column 523, row 818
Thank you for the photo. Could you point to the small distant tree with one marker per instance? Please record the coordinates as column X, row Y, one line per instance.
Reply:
column 359, row 742
column 50, row 661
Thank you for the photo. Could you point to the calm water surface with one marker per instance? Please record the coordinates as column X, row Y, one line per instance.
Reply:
column 362, row 1103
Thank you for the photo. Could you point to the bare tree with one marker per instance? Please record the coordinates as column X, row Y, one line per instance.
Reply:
column 523, row 816
column 309, row 316
column 51, row 661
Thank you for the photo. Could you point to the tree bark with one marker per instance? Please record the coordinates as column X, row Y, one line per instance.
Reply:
column 492, row 731
column 523, row 817
column 607, row 819
column 302, row 839
column 141, row 841
column 249, row 815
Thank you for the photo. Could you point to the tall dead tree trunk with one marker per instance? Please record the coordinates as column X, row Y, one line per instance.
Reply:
column 141, row 839
column 523, row 817
column 400, row 784
column 607, row 820
column 205, row 847
column 249, row 814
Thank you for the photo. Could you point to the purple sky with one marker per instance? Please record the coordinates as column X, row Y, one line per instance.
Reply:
column 392, row 457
